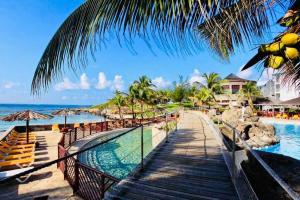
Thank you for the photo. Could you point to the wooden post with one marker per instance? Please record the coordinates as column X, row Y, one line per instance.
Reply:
column 106, row 125
column 102, row 186
column 101, row 126
column 123, row 123
column 66, row 166
column 75, row 134
column 76, row 176
column 90, row 128
column 70, row 137
column 27, row 131
column 65, row 121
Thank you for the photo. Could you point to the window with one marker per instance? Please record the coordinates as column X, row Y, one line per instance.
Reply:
column 277, row 87
column 235, row 89
column 277, row 96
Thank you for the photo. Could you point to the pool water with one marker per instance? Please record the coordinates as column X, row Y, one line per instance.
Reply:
column 120, row 156
column 289, row 145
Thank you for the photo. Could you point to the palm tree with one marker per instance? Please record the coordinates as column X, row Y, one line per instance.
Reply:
column 249, row 91
column 175, row 26
column 193, row 94
column 142, row 89
column 204, row 95
column 119, row 100
column 213, row 83
column 180, row 91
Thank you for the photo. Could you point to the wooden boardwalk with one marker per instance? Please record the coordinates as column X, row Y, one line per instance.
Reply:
column 190, row 166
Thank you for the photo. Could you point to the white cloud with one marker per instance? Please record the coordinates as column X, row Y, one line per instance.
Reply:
column 9, row 84
column 84, row 82
column 161, row 83
column 246, row 74
column 118, row 83
column 69, row 85
column 196, row 77
column 102, row 81
column 65, row 85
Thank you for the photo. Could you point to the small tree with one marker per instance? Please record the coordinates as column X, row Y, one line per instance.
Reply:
column 119, row 101
column 249, row 91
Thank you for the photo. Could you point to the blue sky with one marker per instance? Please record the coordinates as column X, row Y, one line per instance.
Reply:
column 28, row 25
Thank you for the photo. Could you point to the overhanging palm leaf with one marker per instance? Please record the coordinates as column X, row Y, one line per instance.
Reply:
column 170, row 23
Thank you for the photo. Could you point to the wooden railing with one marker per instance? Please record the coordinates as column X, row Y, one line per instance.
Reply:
column 87, row 182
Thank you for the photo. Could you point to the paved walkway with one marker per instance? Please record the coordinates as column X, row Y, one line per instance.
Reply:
column 46, row 182
column 190, row 166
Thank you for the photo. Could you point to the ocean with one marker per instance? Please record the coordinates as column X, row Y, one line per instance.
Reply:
column 6, row 109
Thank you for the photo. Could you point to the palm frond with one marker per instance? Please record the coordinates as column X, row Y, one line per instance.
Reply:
column 169, row 24
column 237, row 23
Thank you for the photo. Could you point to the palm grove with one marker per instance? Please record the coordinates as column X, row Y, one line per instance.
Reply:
column 143, row 99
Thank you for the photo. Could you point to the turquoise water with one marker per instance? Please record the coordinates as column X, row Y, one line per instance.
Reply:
column 120, row 156
column 6, row 109
column 289, row 141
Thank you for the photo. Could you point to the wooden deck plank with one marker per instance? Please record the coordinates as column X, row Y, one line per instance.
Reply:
column 189, row 166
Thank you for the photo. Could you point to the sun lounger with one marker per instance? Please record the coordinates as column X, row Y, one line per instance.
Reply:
column 8, row 151
column 22, row 162
column 55, row 127
column 295, row 117
column 11, row 146
column 285, row 116
column 13, row 140
column 15, row 156
column 278, row 116
column 9, row 173
column 22, row 134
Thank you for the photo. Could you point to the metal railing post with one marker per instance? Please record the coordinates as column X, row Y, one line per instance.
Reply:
column 142, row 147
column 166, row 121
column 233, row 153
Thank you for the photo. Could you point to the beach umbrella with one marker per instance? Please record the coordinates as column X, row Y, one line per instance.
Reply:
column 26, row 115
column 64, row 112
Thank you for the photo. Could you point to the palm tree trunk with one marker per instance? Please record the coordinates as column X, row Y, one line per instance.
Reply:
column 250, row 103
column 120, row 113
column 142, row 111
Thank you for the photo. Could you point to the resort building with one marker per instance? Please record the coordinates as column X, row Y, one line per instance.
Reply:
column 279, row 90
column 232, row 85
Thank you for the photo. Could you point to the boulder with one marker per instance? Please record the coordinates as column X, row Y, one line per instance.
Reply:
column 255, row 133
column 232, row 116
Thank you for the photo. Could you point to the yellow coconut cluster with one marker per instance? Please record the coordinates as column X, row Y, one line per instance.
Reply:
column 281, row 51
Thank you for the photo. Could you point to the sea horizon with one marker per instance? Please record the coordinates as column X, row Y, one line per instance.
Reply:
column 6, row 109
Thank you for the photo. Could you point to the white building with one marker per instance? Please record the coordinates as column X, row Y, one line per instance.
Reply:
column 279, row 90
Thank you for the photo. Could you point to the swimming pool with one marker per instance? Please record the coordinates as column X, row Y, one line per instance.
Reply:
column 289, row 141
column 120, row 156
